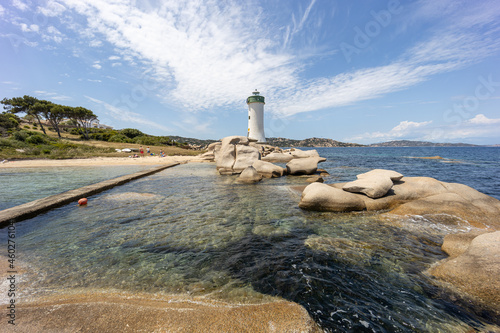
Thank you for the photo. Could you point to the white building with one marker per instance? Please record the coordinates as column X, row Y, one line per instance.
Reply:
column 256, row 117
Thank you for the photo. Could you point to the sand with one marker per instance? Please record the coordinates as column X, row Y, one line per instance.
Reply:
column 99, row 161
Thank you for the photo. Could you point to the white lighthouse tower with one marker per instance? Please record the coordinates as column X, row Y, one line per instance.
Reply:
column 256, row 117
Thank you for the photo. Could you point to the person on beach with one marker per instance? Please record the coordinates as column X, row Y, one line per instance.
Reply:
column 148, row 150
column 141, row 150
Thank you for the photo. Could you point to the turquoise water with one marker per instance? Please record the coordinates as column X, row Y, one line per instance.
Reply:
column 22, row 185
column 187, row 230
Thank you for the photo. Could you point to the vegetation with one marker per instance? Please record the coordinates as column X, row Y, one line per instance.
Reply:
column 68, row 132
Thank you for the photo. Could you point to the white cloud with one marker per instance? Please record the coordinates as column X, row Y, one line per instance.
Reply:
column 481, row 119
column 2, row 10
column 97, row 65
column 52, row 95
column 210, row 53
column 20, row 5
column 478, row 127
column 52, row 8
column 127, row 116
column 114, row 58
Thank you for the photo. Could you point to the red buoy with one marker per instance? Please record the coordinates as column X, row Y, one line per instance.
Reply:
column 82, row 201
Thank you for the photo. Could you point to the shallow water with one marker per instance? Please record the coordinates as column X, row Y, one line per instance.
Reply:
column 22, row 185
column 188, row 230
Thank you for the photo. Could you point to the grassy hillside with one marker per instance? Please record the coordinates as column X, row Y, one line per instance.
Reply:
column 28, row 142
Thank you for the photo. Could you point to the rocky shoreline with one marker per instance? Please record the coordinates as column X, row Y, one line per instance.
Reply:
column 473, row 266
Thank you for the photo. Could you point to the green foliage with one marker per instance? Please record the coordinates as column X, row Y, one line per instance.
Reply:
column 20, row 136
column 146, row 140
column 27, row 126
column 119, row 138
column 8, row 123
column 36, row 139
column 131, row 132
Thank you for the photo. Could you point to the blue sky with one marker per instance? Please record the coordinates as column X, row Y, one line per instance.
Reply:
column 355, row 71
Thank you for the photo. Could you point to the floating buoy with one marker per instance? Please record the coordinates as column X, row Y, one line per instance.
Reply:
column 82, row 201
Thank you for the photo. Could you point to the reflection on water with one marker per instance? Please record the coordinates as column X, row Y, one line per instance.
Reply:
column 188, row 230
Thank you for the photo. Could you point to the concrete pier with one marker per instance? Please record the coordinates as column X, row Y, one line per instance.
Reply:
column 33, row 208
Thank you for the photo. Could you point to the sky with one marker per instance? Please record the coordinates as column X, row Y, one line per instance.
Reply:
column 353, row 71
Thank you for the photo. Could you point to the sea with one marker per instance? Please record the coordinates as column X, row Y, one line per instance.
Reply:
column 189, row 231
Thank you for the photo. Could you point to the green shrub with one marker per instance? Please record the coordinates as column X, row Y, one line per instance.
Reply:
column 46, row 151
column 36, row 139
column 27, row 126
column 119, row 138
column 20, row 136
column 146, row 140
column 131, row 132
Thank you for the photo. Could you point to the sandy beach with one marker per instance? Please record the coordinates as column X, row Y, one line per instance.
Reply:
column 99, row 161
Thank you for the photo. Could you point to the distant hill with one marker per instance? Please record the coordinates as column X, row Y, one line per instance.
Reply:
column 192, row 141
column 409, row 143
column 311, row 142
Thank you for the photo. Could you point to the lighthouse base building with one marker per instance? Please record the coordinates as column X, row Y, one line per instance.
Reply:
column 256, row 117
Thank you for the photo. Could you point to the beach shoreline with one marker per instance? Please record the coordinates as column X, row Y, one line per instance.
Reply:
column 99, row 161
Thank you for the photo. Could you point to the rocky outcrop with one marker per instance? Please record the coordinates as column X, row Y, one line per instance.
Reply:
column 321, row 197
column 375, row 183
column 268, row 170
column 297, row 153
column 212, row 150
column 412, row 196
column 249, row 176
column 303, row 166
column 473, row 267
column 276, row 157
column 235, row 155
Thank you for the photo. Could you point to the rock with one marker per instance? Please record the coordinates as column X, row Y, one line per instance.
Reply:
column 275, row 157
column 249, row 176
column 476, row 271
column 347, row 250
column 235, row 155
column 314, row 179
column 297, row 153
column 393, row 175
column 131, row 196
column 456, row 244
column 245, row 157
column 267, row 169
column 374, row 186
column 323, row 172
column 443, row 202
column 321, row 197
column 304, row 166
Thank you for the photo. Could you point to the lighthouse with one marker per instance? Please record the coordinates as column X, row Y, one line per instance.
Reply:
column 256, row 117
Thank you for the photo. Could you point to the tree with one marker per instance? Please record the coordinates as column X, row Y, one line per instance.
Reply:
column 55, row 114
column 82, row 118
column 8, row 122
column 24, row 104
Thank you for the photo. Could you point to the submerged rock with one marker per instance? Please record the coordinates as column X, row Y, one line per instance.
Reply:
column 473, row 269
column 249, row 176
column 131, row 196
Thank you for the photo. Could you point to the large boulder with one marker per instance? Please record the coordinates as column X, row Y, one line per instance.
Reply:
column 297, row 153
column 235, row 155
column 475, row 270
column 267, row 169
column 276, row 157
column 249, row 176
column 304, row 166
column 375, row 183
column 373, row 186
column 321, row 197
column 245, row 157
column 393, row 175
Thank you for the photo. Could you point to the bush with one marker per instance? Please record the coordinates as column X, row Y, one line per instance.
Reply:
column 119, row 138
column 146, row 140
column 131, row 132
column 46, row 151
column 27, row 126
column 20, row 136
column 36, row 139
